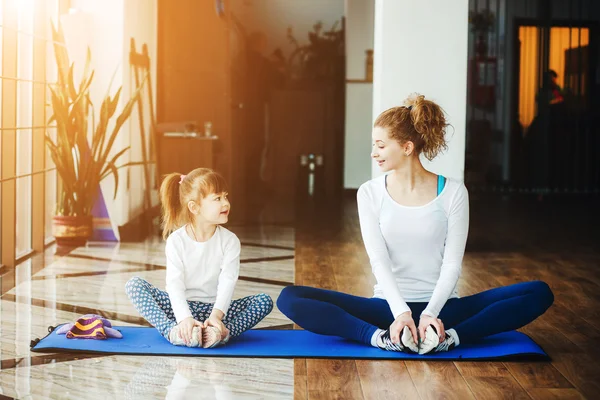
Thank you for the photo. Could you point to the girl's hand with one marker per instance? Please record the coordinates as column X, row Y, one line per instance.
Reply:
column 215, row 320
column 437, row 323
column 404, row 319
column 186, row 328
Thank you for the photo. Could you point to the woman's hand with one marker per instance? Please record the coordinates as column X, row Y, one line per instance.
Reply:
column 404, row 319
column 186, row 328
column 437, row 323
column 216, row 319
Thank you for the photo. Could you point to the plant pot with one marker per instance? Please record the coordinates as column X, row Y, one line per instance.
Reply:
column 71, row 231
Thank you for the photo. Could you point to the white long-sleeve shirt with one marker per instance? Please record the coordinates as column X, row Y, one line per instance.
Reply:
column 415, row 252
column 201, row 271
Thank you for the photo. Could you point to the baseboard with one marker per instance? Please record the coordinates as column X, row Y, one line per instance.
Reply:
column 139, row 228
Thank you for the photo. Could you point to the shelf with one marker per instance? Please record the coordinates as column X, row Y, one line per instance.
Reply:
column 188, row 135
column 358, row 81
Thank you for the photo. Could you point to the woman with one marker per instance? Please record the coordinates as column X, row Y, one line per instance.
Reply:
column 414, row 225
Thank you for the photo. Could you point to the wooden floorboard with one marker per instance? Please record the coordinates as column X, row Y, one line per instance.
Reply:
column 386, row 379
column 491, row 380
column 300, row 381
column 556, row 394
column 330, row 254
column 435, row 380
column 333, row 379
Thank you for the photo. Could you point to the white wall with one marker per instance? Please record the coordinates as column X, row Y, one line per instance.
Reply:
column 421, row 46
column 98, row 25
column 359, row 95
column 360, row 25
column 273, row 17
column 140, row 22
column 357, row 146
column 106, row 27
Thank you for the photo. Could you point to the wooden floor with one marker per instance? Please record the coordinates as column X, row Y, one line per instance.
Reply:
column 510, row 241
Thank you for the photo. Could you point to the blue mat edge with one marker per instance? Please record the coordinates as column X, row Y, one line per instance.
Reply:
column 512, row 357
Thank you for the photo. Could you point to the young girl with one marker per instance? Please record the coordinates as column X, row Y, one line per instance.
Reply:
column 414, row 225
column 203, row 262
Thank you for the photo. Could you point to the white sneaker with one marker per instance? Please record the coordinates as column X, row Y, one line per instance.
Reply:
column 225, row 339
column 408, row 341
column 447, row 345
column 175, row 339
column 430, row 342
column 211, row 337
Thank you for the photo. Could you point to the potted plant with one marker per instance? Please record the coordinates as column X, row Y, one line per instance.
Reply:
column 80, row 165
column 322, row 58
column 482, row 22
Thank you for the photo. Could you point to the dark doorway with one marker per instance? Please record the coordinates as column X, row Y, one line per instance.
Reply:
column 229, row 101
column 288, row 113
column 553, row 107
column 532, row 95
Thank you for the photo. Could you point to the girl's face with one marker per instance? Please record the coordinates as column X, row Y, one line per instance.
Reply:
column 213, row 208
column 387, row 152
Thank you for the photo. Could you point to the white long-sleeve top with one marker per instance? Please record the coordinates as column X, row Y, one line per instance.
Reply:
column 201, row 271
column 415, row 252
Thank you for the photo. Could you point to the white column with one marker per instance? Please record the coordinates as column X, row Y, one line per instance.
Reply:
column 421, row 46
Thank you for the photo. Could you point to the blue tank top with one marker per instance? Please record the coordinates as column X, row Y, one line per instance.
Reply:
column 441, row 184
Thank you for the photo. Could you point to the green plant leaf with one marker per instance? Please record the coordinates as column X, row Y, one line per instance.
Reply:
column 129, row 164
column 80, row 165
column 116, row 175
column 71, row 85
column 125, row 113
column 113, row 161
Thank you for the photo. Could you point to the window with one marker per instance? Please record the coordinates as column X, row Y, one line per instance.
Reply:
column 28, row 183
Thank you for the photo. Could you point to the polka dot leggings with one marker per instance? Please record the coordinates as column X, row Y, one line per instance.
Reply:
column 154, row 306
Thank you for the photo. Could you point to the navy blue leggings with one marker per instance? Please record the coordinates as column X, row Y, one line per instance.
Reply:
column 473, row 317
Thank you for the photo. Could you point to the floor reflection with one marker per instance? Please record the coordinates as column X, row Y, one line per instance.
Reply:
column 49, row 289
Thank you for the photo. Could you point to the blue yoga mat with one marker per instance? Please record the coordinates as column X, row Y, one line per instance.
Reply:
column 287, row 344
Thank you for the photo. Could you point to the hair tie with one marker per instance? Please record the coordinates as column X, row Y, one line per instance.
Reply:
column 182, row 177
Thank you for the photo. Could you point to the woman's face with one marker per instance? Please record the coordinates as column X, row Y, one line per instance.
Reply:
column 387, row 152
